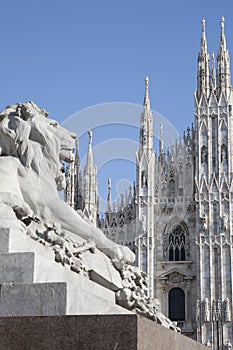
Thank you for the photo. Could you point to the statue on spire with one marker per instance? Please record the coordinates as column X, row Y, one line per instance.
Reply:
column 203, row 25
column 222, row 24
column 146, row 98
column 109, row 184
column 90, row 136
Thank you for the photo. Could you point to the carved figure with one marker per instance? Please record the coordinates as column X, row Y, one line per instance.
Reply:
column 204, row 155
column 144, row 179
column 90, row 136
column 204, row 220
column 227, row 310
column 228, row 345
column 32, row 149
column 206, row 310
column 197, row 310
column 144, row 223
column 223, row 154
column 207, row 343
column 225, row 221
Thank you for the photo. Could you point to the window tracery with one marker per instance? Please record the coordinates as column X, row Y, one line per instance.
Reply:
column 176, row 243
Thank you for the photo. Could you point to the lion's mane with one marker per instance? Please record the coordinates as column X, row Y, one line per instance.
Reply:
column 26, row 133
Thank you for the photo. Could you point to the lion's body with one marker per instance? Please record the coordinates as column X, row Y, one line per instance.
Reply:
column 32, row 147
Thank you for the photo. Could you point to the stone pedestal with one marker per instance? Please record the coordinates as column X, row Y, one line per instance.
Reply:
column 90, row 332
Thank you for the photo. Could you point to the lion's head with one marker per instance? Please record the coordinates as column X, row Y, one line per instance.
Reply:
column 37, row 141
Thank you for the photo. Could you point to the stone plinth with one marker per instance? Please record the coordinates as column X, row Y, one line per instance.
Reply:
column 29, row 299
column 34, row 284
column 87, row 332
column 16, row 267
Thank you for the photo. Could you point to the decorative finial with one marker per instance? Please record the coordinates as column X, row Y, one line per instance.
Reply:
column 90, row 136
column 146, row 98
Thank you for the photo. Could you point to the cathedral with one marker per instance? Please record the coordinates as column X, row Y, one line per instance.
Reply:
column 178, row 217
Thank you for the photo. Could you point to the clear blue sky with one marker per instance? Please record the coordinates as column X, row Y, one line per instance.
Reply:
column 70, row 55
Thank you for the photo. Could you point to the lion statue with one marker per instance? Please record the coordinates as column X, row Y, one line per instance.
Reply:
column 32, row 151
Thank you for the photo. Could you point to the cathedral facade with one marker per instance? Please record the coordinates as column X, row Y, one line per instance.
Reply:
column 178, row 218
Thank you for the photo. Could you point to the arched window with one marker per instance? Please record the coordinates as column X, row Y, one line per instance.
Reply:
column 176, row 243
column 176, row 304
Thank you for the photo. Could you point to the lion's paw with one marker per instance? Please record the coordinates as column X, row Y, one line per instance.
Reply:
column 120, row 253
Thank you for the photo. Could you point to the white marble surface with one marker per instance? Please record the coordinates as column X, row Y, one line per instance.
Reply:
column 83, row 296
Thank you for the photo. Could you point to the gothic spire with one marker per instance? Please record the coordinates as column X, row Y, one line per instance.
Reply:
column 203, row 38
column 89, row 161
column 77, row 179
column 223, row 64
column 77, row 160
column 109, row 196
column 223, row 46
column 146, row 129
column 90, row 184
column 213, row 74
column 161, row 140
column 203, row 74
